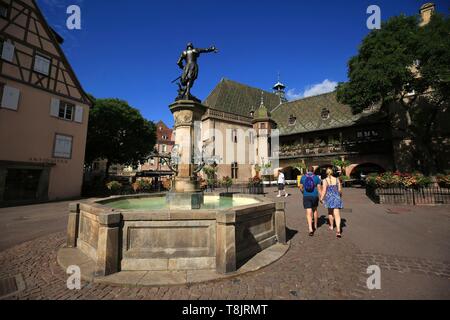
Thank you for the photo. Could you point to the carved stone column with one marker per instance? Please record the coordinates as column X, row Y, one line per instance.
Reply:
column 186, row 113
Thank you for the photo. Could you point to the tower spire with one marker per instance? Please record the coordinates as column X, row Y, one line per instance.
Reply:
column 278, row 89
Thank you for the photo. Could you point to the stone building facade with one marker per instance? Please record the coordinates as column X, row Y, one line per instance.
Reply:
column 313, row 131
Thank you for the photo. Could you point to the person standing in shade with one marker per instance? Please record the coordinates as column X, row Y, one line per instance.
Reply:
column 311, row 189
column 332, row 200
column 281, row 184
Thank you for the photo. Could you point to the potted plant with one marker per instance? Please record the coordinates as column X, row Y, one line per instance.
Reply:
column 255, row 185
column 114, row 187
column 227, row 182
column 344, row 179
column 443, row 180
column 210, row 172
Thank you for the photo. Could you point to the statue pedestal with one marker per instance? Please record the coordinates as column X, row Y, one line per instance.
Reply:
column 186, row 190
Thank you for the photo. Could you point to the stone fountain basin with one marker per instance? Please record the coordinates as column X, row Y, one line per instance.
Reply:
column 223, row 240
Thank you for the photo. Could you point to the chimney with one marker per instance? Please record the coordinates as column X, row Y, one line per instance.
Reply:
column 426, row 11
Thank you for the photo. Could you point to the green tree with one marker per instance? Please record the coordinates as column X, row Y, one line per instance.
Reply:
column 118, row 133
column 399, row 59
column 341, row 164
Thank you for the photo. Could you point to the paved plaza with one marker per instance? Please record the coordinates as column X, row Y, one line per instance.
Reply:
column 410, row 244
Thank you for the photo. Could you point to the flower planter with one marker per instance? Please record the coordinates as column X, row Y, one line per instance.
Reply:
column 408, row 196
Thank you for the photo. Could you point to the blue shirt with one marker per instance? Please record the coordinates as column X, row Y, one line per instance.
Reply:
column 315, row 192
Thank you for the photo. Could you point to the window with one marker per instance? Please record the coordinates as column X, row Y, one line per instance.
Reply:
column 7, row 50
column 234, row 135
column 164, row 137
column 234, row 170
column 251, row 138
column 164, row 148
column 263, row 126
column 66, row 110
column 325, row 114
column 42, row 65
column 9, row 97
column 292, row 120
column 3, row 10
column 2, row 87
column 63, row 146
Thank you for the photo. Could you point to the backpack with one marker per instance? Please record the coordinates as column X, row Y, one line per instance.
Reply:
column 309, row 183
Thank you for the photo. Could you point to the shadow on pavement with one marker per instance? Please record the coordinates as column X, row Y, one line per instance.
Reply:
column 290, row 233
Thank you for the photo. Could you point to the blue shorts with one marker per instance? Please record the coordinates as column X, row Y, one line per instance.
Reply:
column 310, row 202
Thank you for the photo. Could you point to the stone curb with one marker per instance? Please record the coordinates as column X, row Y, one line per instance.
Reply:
column 72, row 256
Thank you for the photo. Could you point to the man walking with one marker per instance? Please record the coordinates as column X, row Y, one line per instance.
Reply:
column 281, row 184
column 310, row 186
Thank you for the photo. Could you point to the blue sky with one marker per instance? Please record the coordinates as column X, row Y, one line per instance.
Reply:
column 128, row 49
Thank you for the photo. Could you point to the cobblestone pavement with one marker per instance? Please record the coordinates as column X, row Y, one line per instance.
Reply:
column 406, row 264
column 319, row 267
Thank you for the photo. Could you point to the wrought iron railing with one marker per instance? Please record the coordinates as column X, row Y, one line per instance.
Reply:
column 409, row 196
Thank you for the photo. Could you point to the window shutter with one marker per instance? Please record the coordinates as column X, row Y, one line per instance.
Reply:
column 63, row 146
column 8, row 51
column 79, row 114
column 54, row 107
column 41, row 65
column 10, row 98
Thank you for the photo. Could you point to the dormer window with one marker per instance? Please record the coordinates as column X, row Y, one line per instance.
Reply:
column 325, row 114
column 292, row 120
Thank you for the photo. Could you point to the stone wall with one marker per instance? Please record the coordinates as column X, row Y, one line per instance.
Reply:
column 174, row 239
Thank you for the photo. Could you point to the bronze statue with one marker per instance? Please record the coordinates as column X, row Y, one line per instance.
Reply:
column 190, row 70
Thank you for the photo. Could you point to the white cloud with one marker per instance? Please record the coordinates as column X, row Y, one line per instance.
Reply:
column 292, row 94
column 312, row 90
column 319, row 88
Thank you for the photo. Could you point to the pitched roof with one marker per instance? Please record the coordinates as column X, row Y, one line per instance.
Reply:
column 319, row 112
column 231, row 96
column 57, row 41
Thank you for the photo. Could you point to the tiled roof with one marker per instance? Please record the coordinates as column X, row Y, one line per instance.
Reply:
column 320, row 112
column 234, row 97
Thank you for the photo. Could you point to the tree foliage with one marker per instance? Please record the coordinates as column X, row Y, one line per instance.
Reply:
column 380, row 73
column 118, row 133
column 399, row 66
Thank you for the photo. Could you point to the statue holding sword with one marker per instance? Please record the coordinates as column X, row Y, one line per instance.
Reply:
column 190, row 70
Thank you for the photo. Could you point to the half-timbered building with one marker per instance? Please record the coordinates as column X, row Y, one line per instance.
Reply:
column 43, row 112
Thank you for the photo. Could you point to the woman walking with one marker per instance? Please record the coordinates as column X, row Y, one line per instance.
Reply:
column 332, row 194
